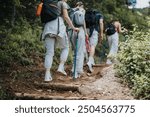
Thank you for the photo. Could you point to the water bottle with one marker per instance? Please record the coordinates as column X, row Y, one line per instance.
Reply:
column 39, row 9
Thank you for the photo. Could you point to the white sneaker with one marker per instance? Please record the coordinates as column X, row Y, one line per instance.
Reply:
column 108, row 62
column 48, row 76
column 90, row 67
column 76, row 75
column 62, row 71
column 72, row 70
column 93, row 63
column 91, row 60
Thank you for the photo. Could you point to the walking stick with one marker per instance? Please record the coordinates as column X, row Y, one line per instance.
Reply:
column 75, row 56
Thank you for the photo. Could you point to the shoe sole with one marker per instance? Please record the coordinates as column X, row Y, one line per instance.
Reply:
column 60, row 73
column 48, row 80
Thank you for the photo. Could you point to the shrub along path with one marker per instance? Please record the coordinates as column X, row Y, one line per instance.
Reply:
column 101, row 84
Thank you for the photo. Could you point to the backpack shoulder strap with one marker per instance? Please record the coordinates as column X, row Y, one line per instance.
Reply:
column 58, row 27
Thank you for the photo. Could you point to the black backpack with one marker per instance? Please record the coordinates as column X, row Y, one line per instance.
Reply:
column 110, row 29
column 92, row 18
column 50, row 10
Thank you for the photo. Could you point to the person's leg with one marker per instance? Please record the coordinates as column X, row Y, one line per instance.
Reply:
column 110, row 49
column 49, row 45
column 79, row 62
column 86, row 56
column 80, row 53
column 63, row 59
column 91, row 56
column 91, row 59
column 64, row 45
column 113, row 44
column 115, row 41
column 93, row 43
column 109, row 41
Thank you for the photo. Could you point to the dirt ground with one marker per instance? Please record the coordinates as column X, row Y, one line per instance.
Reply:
column 107, row 87
column 101, row 84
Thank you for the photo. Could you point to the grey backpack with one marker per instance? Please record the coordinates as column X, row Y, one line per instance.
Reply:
column 77, row 17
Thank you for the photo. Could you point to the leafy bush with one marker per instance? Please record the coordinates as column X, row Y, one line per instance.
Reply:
column 134, row 62
column 20, row 44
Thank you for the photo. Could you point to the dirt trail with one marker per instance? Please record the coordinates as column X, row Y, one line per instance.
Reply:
column 101, row 84
column 107, row 87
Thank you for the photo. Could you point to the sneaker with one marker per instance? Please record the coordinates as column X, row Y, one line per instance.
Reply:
column 90, row 67
column 82, row 74
column 91, row 60
column 93, row 63
column 48, row 76
column 76, row 75
column 62, row 72
column 72, row 70
column 108, row 62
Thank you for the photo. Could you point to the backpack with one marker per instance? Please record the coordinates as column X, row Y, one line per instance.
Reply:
column 50, row 10
column 110, row 29
column 77, row 17
column 92, row 18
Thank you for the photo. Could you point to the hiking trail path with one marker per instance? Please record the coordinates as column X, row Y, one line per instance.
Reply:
column 101, row 85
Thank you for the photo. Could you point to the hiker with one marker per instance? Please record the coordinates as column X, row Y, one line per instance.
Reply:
column 112, row 32
column 94, row 23
column 80, row 44
column 54, row 33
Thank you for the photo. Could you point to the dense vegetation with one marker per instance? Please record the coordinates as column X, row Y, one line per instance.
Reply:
column 20, row 32
column 134, row 62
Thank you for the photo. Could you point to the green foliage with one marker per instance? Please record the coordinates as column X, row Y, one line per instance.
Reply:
column 134, row 62
column 16, row 2
column 20, row 44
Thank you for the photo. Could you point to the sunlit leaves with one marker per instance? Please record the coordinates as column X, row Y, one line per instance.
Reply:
column 134, row 62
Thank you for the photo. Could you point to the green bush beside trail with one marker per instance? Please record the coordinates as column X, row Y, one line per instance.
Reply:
column 134, row 62
column 19, row 44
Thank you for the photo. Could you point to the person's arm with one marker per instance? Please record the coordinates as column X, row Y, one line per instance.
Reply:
column 84, row 26
column 68, row 20
column 119, row 28
column 101, row 25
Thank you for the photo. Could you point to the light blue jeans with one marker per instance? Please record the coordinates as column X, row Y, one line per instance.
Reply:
column 50, row 43
column 81, row 48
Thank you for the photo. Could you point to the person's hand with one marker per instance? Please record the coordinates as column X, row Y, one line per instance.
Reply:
column 76, row 29
column 124, row 29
